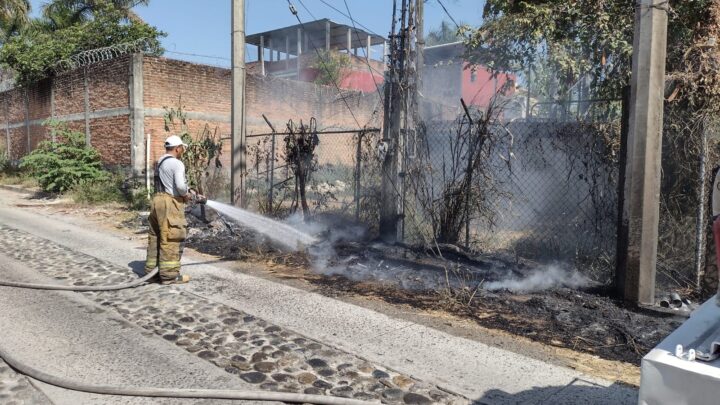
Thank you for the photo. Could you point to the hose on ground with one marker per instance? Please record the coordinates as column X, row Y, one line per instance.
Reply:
column 174, row 392
column 60, row 287
column 193, row 393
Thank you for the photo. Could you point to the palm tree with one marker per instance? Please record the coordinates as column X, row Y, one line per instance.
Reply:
column 60, row 14
column 13, row 17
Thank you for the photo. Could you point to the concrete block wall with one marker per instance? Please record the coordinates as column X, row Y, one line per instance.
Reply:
column 117, row 103
column 93, row 100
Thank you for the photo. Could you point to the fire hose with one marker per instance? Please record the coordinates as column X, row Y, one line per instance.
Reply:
column 70, row 384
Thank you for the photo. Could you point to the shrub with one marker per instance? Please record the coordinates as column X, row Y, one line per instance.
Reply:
column 60, row 165
column 4, row 160
column 331, row 67
column 99, row 191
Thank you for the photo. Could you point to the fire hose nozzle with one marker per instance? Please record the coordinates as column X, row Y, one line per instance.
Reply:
column 197, row 198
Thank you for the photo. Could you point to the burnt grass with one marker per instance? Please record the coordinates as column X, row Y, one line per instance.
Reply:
column 586, row 320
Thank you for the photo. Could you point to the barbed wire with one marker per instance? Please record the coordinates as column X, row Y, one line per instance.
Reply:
column 93, row 56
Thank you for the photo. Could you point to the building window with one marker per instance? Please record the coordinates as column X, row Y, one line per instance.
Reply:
column 473, row 76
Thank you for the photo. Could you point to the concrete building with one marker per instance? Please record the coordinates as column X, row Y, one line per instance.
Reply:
column 292, row 53
column 447, row 78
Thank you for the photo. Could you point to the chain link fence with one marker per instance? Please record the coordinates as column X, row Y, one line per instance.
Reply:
column 541, row 189
column 337, row 182
column 545, row 190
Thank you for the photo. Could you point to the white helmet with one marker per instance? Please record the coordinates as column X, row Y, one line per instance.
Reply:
column 173, row 141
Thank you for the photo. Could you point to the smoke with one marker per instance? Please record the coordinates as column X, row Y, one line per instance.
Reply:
column 544, row 278
column 283, row 234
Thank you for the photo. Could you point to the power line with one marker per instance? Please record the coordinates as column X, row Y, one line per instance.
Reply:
column 198, row 55
column 350, row 18
column 448, row 13
column 367, row 61
column 323, row 63
column 353, row 22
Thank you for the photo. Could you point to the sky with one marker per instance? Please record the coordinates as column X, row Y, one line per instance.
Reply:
column 202, row 27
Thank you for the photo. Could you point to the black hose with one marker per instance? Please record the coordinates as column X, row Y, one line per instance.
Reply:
column 173, row 392
column 131, row 284
column 154, row 392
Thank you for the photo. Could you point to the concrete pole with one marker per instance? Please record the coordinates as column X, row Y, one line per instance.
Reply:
column 642, row 184
column 261, row 56
column 327, row 36
column 349, row 41
column 272, row 53
column 420, row 44
column 367, row 49
column 237, row 170
column 287, row 53
column 299, row 52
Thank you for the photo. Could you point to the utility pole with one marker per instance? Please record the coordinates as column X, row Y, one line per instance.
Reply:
column 388, row 193
column 420, row 41
column 401, row 87
column 641, row 210
column 237, row 158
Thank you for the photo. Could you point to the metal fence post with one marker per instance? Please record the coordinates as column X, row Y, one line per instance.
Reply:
column 272, row 172
column 468, row 173
column 272, row 163
column 622, row 213
column 701, row 221
column 358, row 166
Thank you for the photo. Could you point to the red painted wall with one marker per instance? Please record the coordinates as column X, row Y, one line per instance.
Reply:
column 363, row 81
column 478, row 92
column 354, row 80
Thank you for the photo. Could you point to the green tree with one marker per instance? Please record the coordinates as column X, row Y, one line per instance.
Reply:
column 34, row 53
column 59, row 14
column 331, row 66
column 574, row 38
column 13, row 17
column 444, row 34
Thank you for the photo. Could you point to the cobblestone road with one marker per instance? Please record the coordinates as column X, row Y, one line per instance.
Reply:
column 239, row 343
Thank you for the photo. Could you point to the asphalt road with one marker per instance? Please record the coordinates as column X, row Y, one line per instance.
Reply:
column 57, row 330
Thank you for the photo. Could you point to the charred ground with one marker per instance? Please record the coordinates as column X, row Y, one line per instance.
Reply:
column 586, row 320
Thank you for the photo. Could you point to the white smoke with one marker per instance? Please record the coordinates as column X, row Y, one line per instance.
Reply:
column 543, row 278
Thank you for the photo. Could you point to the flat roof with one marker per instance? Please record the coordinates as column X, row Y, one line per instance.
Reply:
column 315, row 30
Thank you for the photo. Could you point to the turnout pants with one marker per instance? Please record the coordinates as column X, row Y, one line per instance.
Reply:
column 167, row 231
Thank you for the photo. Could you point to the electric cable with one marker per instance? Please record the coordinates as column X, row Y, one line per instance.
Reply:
column 323, row 63
column 350, row 18
column 372, row 69
column 367, row 60
column 448, row 13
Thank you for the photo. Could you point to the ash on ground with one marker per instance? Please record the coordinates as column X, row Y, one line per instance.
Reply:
column 552, row 304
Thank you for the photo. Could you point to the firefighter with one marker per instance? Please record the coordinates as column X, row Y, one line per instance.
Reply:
column 168, row 227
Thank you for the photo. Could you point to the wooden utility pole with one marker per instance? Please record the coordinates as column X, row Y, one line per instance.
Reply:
column 641, row 209
column 237, row 157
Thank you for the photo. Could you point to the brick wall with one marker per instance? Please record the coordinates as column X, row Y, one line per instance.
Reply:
column 103, row 87
column 102, row 93
column 205, row 94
